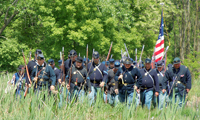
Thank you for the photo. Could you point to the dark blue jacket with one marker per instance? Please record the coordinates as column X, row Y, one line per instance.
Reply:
column 97, row 75
column 46, row 77
column 160, row 75
column 67, row 64
column 183, row 75
column 129, row 76
column 57, row 73
column 149, row 83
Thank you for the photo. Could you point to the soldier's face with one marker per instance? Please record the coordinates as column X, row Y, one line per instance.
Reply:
column 78, row 64
column 52, row 65
column 40, row 62
column 160, row 68
column 96, row 60
column 127, row 66
column 73, row 58
column 177, row 66
column 147, row 66
column 112, row 65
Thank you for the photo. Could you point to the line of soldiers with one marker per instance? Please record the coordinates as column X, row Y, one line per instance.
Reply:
column 119, row 82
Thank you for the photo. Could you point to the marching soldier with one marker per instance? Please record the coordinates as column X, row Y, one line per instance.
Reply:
column 125, row 80
column 179, row 79
column 78, row 80
column 149, row 84
column 160, row 73
column 109, row 95
column 43, row 75
column 56, row 71
column 98, row 76
column 73, row 56
column 18, row 81
column 107, row 64
column 32, row 63
column 111, row 65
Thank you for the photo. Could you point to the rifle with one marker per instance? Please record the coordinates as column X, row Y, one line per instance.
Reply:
column 126, row 50
column 111, row 56
column 136, row 56
column 63, row 65
column 27, row 75
column 60, row 55
column 109, row 52
column 141, row 55
column 86, row 64
column 29, row 56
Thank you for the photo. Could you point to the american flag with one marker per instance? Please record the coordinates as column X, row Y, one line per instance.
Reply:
column 159, row 48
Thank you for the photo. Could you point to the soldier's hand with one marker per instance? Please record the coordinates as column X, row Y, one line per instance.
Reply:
column 120, row 77
column 59, row 80
column 63, row 83
column 102, row 84
column 188, row 90
column 135, row 87
column 52, row 88
column 54, row 91
column 163, row 91
column 68, row 86
column 29, row 85
column 156, row 94
column 117, row 91
column 106, row 91
column 35, row 79
column 138, row 91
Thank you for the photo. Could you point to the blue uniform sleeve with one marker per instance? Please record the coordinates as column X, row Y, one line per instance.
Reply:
column 67, row 77
column 188, row 80
column 156, row 82
column 33, row 74
column 139, row 79
column 117, row 74
column 52, row 76
column 165, row 80
column 105, row 73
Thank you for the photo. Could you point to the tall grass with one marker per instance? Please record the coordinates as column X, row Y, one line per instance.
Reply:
column 36, row 107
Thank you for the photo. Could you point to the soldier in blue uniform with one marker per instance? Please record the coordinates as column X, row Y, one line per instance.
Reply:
column 98, row 76
column 149, row 84
column 56, row 71
column 79, row 80
column 160, row 73
column 31, row 64
column 125, row 80
column 84, row 61
column 73, row 56
column 107, row 64
column 43, row 76
column 179, row 79
column 111, row 64
column 18, row 81
column 109, row 95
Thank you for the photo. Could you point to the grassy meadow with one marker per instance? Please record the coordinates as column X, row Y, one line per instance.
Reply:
column 35, row 107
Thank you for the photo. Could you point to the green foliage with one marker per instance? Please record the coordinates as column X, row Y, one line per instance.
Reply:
column 192, row 62
column 11, row 54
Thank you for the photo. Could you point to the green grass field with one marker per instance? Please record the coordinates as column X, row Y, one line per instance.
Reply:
column 34, row 107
